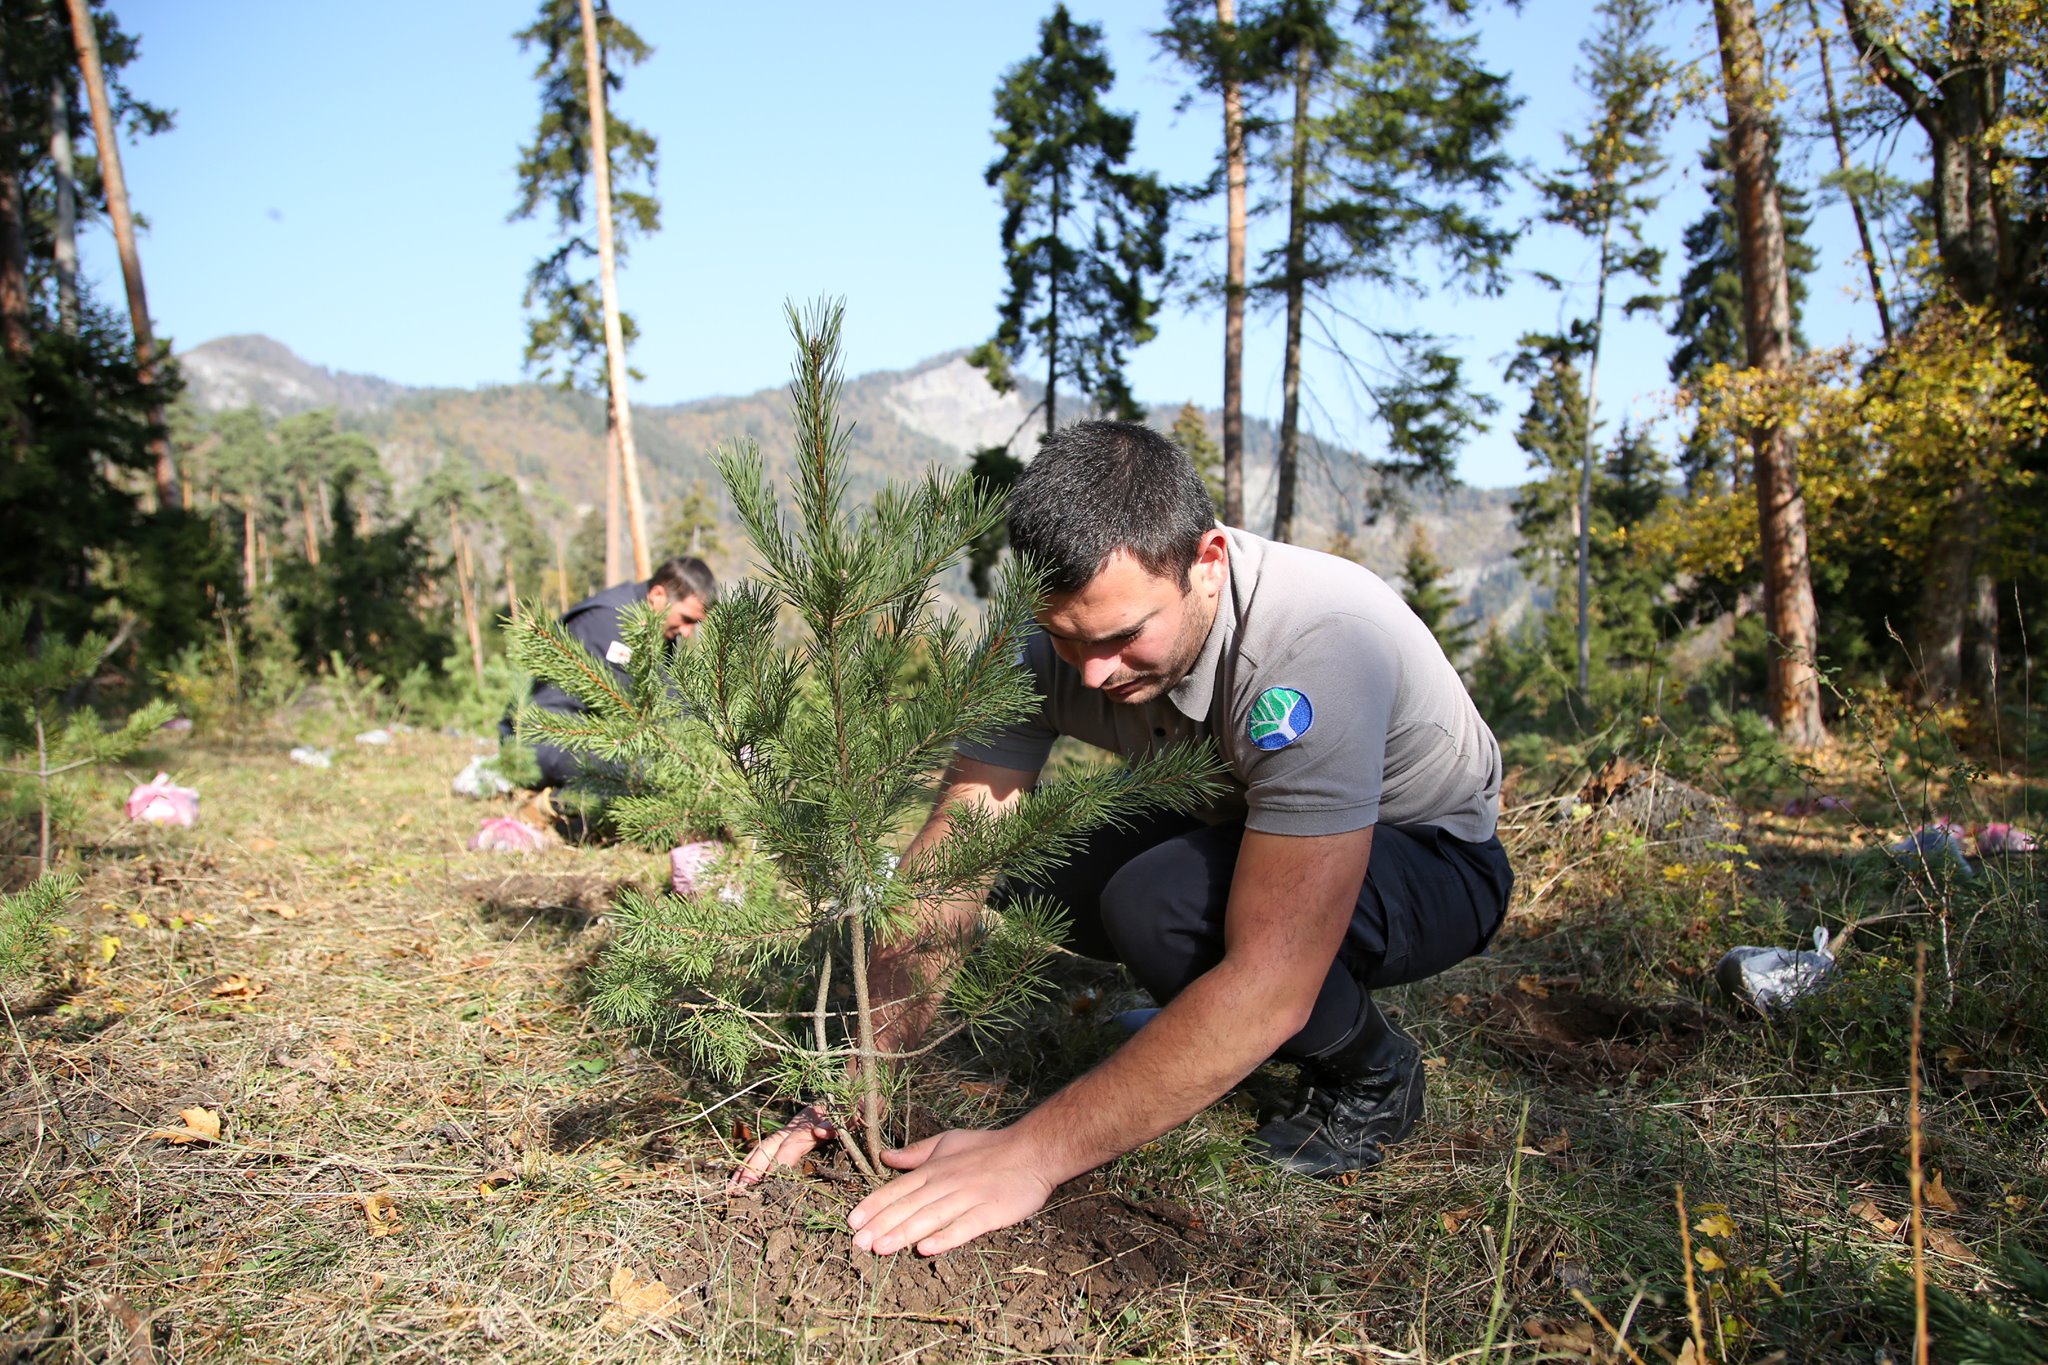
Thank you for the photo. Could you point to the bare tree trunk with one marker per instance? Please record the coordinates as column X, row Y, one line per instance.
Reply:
column 614, row 533
column 1297, row 289
column 14, row 329
column 249, row 548
column 1233, row 271
column 1582, row 511
column 1052, row 319
column 561, row 571
column 614, row 337
column 1789, row 609
column 306, row 517
column 108, row 143
column 458, row 551
column 1827, row 80
column 511, row 590
column 64, row 243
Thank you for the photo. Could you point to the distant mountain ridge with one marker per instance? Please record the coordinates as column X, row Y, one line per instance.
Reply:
column 551, row 440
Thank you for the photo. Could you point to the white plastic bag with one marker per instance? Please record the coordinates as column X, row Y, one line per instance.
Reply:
column 1772, row 978
column 480, row 779
column 312, row 757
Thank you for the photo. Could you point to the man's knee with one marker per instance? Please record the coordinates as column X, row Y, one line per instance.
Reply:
column 1163, row 910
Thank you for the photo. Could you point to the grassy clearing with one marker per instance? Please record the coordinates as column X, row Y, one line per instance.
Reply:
column 427, row 1153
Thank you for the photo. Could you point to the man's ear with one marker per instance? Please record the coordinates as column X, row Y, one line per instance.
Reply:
column 657, row 597
column 1212, row 561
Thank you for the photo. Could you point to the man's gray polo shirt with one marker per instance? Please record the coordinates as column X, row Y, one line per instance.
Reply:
column 1332, row 704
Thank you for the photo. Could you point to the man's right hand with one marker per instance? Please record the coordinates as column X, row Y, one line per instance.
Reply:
column 809, row 1129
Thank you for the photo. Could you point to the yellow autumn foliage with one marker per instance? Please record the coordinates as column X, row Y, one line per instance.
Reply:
column 1885, row 438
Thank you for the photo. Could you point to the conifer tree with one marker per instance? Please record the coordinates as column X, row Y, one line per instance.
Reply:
column 1602, row 193
column 1084, row 238
column 1191, row 433
column 825, row 754
column 41, row 738
column 1767, row 334
column 1427, row 594
column 1213, row 49
column 1393, row 154
column 567, row 336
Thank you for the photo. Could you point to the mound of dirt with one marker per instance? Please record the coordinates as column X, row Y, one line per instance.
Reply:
column 1051, row 1285
column 1593, row 1039
column 1663, row 808
column 570, row 901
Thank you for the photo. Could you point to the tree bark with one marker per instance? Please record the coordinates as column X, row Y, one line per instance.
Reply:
column 561, row 571
column 1297, row 289
column 614, row 336
column 1052, row 316
column 249, row 548
column 64, row 244
column 1234, row 267
column 458, row 551
column 614, row 533
column 107, row 139
column 14, row 328
column 1789, row 609
column 1582, row 510
column 306, row 516
column 511, row 590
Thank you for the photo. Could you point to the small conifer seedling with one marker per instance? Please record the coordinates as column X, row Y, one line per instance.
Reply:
column 832, row 743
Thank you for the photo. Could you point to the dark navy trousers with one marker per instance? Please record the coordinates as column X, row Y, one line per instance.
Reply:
column 1153, row 899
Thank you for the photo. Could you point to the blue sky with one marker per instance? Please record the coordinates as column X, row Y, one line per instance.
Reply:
column 339, row 178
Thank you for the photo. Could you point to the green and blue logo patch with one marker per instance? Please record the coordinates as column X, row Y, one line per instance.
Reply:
column 1280, row 716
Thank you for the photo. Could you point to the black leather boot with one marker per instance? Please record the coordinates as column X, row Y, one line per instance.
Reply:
column 1356, row 1099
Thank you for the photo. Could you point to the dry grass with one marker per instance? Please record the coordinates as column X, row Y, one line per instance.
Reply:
column 428, row 1152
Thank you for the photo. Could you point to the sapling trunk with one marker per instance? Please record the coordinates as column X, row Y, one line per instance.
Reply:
column 42, row 797
column 870, row 1063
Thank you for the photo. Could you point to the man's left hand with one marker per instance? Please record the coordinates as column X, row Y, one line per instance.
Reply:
column 960, row 1184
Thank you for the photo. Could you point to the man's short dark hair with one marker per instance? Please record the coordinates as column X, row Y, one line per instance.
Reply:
column 1098, row 487
column 686, row 576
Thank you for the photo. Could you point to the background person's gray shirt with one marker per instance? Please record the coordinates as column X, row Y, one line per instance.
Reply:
column 1332, row 704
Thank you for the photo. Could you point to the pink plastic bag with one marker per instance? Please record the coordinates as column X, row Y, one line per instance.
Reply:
column 2003, row 838
column 502, row 834
column 158, row 802
column 688, row 864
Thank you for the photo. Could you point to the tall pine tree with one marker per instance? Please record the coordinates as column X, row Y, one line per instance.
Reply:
column 1084, row 238
column 1392, row 154
column 566, row 332
column 1603, row 194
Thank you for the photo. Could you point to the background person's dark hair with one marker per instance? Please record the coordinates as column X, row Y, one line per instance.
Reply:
column 686, row 576
column 1098, row 487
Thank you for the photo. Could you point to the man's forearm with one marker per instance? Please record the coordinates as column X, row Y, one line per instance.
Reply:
column 1176, row 1066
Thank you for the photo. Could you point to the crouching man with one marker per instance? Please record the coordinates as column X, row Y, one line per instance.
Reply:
column 1357, row 850
column 681, row 590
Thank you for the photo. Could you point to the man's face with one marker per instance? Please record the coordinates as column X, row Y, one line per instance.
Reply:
column 1133, row 633
column 679, row 616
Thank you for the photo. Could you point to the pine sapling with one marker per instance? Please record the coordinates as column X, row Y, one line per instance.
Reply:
column 34, row 720
column 829, row 747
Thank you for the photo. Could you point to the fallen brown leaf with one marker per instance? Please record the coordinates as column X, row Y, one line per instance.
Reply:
column 238, row 987
column 635, row 1299
column 1940, row 1241
column 1530, row 985
column 1937, row 1196
column 1574, row 1338
column 201, row 1125
column 1870, row 1214
column 260, row 844
column 1453, row 1219
column 382, row 1215
column 492, row 1185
